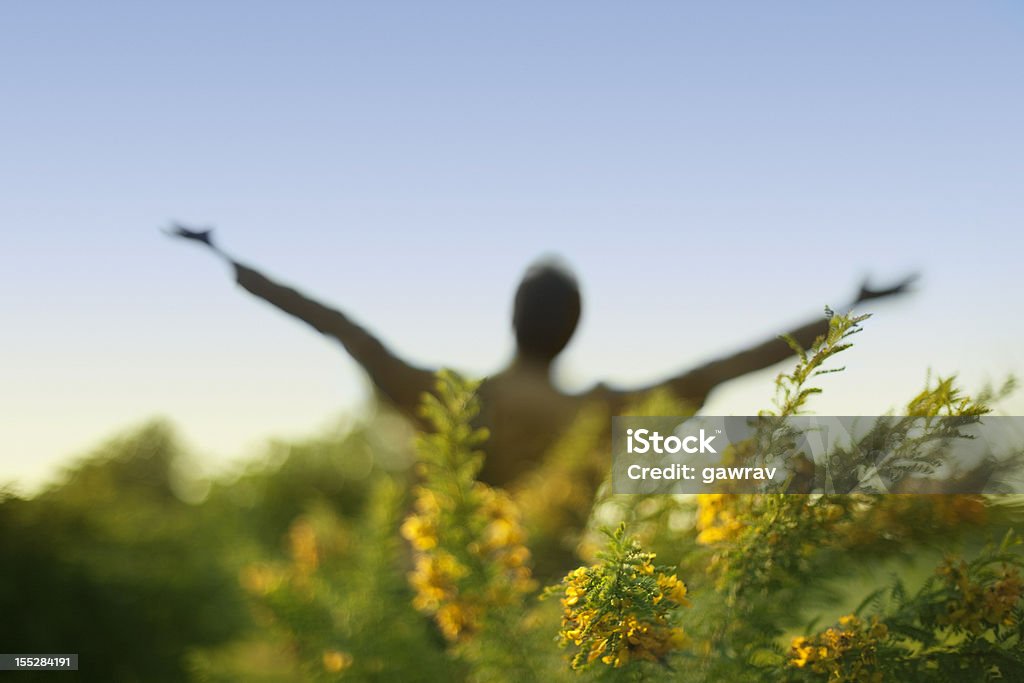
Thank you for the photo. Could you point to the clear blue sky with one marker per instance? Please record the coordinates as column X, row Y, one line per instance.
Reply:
column 713, row 171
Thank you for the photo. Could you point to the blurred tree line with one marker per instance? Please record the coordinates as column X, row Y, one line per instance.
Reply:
column 134, row 562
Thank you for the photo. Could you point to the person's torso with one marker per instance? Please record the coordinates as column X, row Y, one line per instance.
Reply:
column 525, row 415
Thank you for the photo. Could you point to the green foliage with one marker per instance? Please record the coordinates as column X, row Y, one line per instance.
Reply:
column 777, row 558
column 353, row 557
column 962, row 624
column 337, row 607
column 452, row 447
column 792, row 390
column 112, row 565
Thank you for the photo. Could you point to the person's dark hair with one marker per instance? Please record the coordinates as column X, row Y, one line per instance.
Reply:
column 547, row 309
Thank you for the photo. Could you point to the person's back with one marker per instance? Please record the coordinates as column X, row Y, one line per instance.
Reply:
column 525, row 415
column 521, row 407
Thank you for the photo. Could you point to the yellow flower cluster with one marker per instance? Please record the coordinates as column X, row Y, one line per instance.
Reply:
column 626, row 623
column 717, row 519
column 262, row 579
column 980, row 606
column 846, row 654
column 492, row 570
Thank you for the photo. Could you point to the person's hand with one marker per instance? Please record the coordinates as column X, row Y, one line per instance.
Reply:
column 204, row 236
column 867, row 293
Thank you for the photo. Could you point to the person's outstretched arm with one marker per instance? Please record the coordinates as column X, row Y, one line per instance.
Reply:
column 402, row 383
column 694, row 385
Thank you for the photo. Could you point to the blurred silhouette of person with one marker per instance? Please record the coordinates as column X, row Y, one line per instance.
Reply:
column 521, row 407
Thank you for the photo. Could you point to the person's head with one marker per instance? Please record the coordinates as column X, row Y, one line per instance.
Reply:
column 546, row 310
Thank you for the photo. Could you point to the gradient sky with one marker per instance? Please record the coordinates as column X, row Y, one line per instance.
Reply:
column 713, row 171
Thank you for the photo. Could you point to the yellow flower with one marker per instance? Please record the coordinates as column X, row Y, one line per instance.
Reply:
column 427, row 503
column 456, row 619
column 516, row 556
column 716, row 519
column 673, row 589
column 419, row 532
column 260, row 579
column 572, row 595
column 802, row 652
column 302, row 539
column 500, row 533
column 336, row 661
column 618, row 659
